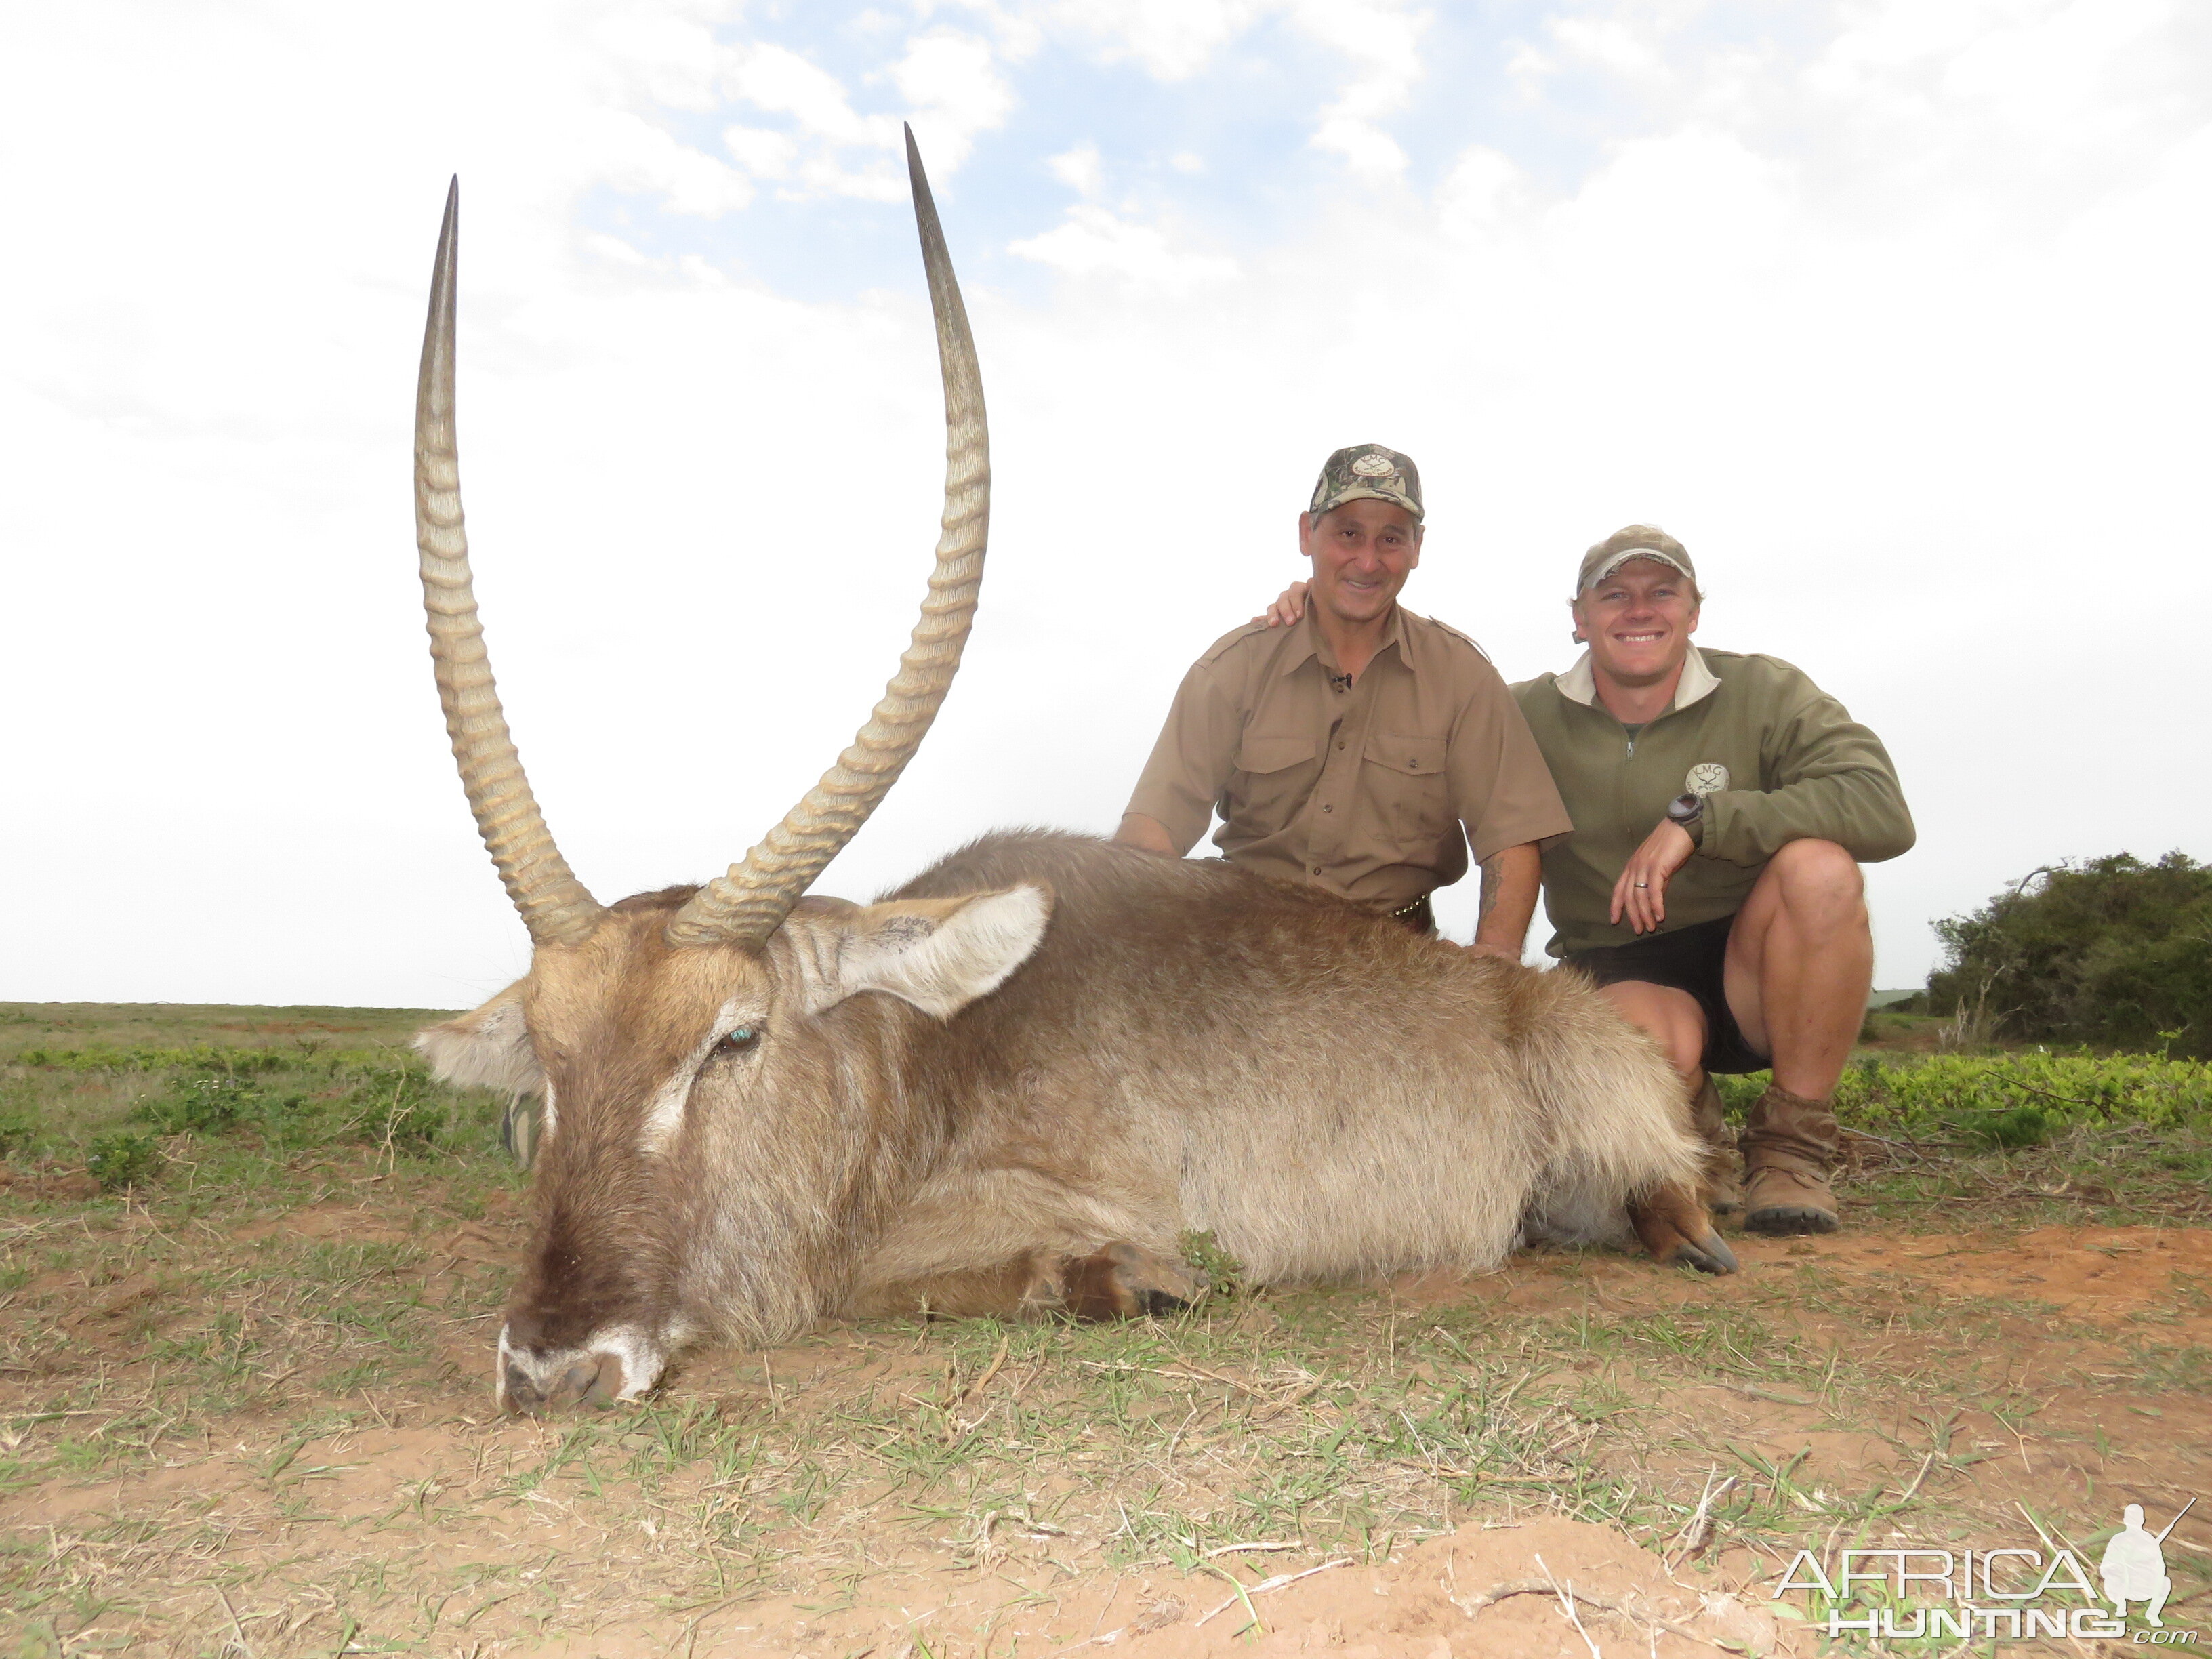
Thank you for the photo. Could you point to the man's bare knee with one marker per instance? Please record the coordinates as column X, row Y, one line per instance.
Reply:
column 1669, row 1016
column 1818, row 864
column 1817, row 876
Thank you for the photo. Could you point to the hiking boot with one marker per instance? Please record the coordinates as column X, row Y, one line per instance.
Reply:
column 1789, row 1148
column 1716, row 1177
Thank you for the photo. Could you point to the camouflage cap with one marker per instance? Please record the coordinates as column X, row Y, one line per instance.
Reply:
column 1634, row 541
column 1367, row 472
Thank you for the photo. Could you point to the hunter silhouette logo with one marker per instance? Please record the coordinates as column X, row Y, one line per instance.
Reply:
column 2134, row 1567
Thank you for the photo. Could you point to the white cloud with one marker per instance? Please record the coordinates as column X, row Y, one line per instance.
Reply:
column 1174, row 39
column 1610, row 42
column 1381, row 41
column 1078, row 168
column 636, row 155
column 955, row 90
column 1095, row 242
column 761, row 151
column 777, row 79
column 950, row 85
column 1482, row 189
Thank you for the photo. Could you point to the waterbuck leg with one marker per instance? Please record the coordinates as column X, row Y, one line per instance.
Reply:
column 1675, row 1226
column 1001, row 1292
column 1119, row 1281
column 1124, row 1281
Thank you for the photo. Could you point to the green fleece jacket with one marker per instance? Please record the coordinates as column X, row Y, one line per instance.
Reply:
column 1776, row 758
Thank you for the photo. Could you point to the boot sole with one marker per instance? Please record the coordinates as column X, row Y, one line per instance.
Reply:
column 1784, row 1220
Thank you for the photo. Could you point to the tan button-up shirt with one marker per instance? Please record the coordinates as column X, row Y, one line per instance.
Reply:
column 1373, row 790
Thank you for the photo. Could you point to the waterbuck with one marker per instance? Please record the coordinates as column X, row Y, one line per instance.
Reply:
column 1014, row 1083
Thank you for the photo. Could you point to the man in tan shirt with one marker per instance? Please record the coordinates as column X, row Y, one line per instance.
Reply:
column 1364, row 749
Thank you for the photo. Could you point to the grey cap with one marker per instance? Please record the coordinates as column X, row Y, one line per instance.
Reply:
column 1367, row 472
column 1635, row 540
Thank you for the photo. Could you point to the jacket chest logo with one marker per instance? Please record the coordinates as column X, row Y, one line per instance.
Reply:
column 1706, row 777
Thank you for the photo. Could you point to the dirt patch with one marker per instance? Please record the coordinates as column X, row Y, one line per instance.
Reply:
column 1547, row 1588
column 222, row 1427
column 354, row 1222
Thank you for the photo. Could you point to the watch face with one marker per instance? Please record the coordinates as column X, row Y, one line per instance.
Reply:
column 1706, row 777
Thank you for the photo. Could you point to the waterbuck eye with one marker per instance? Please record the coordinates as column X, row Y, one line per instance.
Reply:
column 738, row 1042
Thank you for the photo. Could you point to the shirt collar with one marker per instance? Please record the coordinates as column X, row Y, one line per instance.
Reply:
column 1309, row 642
column 1697, row 683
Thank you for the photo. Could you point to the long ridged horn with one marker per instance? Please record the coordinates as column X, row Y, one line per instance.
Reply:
column 748, row 905
column 554, row 906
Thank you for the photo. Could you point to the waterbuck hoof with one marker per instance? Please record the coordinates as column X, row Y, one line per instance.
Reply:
column 1127, row 1281
column 1673, row 1226
column 1710, row 1254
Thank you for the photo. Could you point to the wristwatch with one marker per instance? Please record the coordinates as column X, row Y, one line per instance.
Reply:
column 1689, row 811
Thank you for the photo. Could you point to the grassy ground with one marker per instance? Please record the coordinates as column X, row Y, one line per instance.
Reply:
column 251, row 1262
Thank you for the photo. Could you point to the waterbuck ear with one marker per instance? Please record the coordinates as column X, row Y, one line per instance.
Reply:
column 490, row 1046
column 937, row 954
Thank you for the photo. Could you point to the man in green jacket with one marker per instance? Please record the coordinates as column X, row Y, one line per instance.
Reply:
column 1722, row 804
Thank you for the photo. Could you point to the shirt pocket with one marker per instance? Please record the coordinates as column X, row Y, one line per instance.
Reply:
column 1274, row 778
column 1404, row 780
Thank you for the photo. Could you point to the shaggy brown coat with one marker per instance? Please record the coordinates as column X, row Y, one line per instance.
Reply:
column 941, row 1100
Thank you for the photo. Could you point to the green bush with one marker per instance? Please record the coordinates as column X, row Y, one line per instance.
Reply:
column 398, row 1106
column 118, row 1160
column 2111, row 952
column 2010, row 1100
column 199, row 1103
column 100, row 1057
column 18, row 1131
column 287, row 1101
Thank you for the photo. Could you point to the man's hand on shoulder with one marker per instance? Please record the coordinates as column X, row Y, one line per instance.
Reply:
column 1478, row 949
column 1288, row 606
column 1640, row 895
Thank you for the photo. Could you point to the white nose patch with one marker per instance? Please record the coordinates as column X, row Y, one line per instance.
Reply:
column 640, row 1358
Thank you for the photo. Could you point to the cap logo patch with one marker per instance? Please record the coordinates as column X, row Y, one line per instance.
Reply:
column 1707, row 777
column 1373, row 466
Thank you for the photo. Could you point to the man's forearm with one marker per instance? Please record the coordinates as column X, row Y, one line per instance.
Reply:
column 1510, row 878
column 1147, row 833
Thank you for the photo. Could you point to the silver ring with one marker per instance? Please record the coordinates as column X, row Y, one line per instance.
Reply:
column 1643, row 884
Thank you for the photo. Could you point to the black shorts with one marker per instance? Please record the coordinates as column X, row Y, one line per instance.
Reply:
column 1690, row 959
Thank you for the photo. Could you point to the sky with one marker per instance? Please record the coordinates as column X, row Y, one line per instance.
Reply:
column 1892, row 309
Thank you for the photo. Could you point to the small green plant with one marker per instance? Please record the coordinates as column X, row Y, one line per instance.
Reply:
column 398, row 1109
column 201, row 1104
column 118, row 1160
column 2020, row 1126
column 1204, row 1252
column 17, row 1132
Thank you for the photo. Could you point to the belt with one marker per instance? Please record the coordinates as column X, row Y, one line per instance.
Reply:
column 1417, row 916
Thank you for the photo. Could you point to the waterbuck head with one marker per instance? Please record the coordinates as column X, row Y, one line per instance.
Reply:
column 713, row 1061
